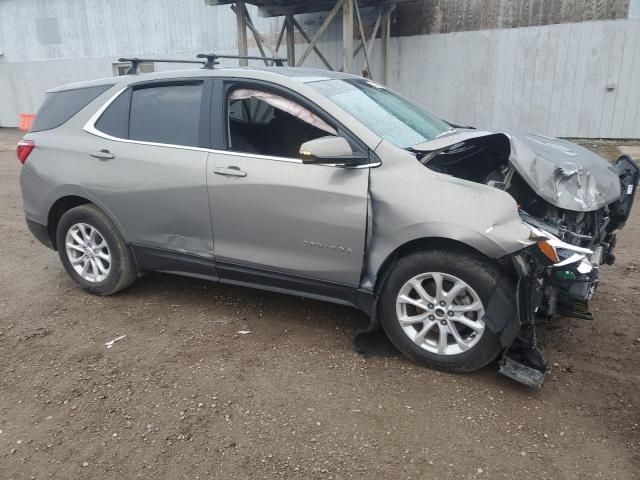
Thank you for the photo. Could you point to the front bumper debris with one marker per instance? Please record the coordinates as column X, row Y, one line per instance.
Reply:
column 574, row 286
column 545, row 290
column 523, row 361
column 524, row 364
column 629, row 174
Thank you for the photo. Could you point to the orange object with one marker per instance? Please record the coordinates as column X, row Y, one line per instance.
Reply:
column 26, row 120
column 550, row 252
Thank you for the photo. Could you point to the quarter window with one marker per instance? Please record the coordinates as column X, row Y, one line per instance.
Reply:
column 58, row 107
column 166, row 114
column 115, row 119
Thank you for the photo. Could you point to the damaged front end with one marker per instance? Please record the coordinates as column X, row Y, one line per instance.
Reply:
column 560, row 187
column 573, row 200
column 554, row 278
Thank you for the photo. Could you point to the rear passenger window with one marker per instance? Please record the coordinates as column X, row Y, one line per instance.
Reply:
column 58, row 107
column 166, row 114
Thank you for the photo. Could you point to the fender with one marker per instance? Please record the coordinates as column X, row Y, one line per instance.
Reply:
column 384, row 246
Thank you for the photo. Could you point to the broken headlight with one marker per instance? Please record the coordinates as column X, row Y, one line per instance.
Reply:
column 557, row 252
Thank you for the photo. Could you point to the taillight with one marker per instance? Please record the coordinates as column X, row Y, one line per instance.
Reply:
column 24, row 149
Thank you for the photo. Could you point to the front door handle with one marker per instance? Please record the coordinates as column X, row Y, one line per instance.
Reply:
column 101, row 154
column 231, row 171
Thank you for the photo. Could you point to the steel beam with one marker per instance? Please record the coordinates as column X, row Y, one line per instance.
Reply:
column 323, row 27
column 386, row 35
column 241, row 27
column 363, row 39
column 281, row 35
column 291, row 44
column 379, row 21
column 278, row 9
column 318, row 52
column 347, row 35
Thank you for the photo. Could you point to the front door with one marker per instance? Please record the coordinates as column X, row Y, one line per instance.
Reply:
column 270, row 212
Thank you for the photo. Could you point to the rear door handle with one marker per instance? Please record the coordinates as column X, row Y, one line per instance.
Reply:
column 231, row 171
column 101, row 154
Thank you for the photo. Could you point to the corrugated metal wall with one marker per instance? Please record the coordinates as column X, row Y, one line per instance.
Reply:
column 46, row 43
column 549, row 79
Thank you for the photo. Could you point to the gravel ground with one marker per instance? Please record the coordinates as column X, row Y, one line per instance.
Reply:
column 184, row 395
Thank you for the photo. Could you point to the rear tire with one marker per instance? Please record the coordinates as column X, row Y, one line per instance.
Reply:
column 448, row 333
column 93, row 252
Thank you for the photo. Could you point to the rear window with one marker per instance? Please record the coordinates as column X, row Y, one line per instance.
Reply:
column 166, row 114
column 58, row 107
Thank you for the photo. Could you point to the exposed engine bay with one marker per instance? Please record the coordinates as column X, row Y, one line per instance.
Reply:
column 589, row 224
column 573, row 200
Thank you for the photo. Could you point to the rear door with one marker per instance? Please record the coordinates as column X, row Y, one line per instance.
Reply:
column 271, row 213
column 147, row 165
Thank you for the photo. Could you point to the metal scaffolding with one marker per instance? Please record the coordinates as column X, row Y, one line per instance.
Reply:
column 351, row 19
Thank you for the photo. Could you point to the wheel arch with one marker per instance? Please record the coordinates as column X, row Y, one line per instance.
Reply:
column 420, row 244
column 65, row 203
column 58, row 209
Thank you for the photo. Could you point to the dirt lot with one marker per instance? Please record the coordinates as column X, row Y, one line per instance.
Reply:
column 183, row 395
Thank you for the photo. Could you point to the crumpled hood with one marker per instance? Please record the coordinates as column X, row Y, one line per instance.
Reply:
column 562, row 173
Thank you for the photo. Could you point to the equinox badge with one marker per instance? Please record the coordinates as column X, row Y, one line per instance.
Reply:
column 326, row 246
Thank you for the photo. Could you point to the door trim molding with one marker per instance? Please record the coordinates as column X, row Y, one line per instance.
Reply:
column 167, row 261
column 297, row 285
column 156, row 259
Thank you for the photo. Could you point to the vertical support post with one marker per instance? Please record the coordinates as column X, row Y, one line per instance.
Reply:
column 281, row 36
column 347, row 35
column 241, row 26
column 363, row 39
column 386, row 34
column 291, row 44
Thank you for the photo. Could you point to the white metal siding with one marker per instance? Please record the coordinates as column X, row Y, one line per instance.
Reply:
column 548, row 79
column 97, row 29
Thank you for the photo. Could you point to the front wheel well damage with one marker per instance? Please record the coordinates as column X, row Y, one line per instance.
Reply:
column 417, row 245
column 58, row 209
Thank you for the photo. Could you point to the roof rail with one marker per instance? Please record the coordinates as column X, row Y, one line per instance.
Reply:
column 210, row 62
column 135, row 62
column 213, row 57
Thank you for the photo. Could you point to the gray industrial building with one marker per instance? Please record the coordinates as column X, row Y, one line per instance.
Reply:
column 561, row 67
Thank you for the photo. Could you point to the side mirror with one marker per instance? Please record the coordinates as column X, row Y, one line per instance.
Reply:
column 330, row 150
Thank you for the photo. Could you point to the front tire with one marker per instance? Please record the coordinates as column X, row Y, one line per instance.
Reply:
column 93, row 252
column 433, row 309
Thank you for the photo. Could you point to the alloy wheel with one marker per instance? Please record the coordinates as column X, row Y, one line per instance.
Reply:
column 88, row 252
column 440, row 313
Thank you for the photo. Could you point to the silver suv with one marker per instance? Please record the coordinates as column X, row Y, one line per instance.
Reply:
column 329, row 186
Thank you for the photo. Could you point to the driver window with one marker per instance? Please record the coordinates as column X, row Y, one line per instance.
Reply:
column 264, row 123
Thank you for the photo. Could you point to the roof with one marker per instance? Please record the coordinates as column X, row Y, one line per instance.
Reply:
column 302, row 75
